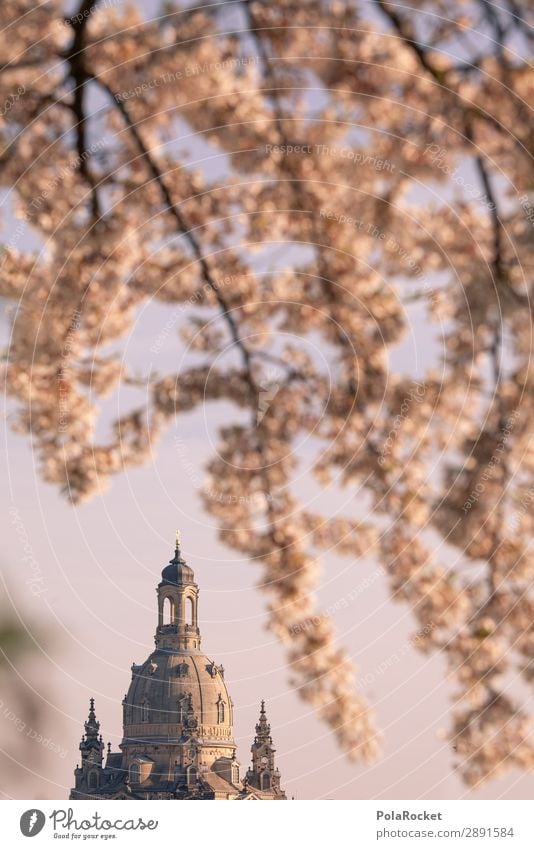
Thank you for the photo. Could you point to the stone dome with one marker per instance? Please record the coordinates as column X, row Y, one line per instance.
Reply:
column 174, row 693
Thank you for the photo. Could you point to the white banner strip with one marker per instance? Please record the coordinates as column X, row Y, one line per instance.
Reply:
column 315, row 825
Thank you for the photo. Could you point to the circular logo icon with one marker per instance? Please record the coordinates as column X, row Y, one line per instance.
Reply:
column 32, row 822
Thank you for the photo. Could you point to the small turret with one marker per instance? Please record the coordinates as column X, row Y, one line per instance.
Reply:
column 89, row 774
column 263, row 775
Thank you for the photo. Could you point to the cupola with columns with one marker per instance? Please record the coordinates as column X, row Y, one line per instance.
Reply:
column 177, row 605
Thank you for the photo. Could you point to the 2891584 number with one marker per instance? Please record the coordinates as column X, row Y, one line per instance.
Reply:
column 481, row 831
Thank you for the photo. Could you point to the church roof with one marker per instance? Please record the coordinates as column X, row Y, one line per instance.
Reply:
column 219, row 784
column 177, row 572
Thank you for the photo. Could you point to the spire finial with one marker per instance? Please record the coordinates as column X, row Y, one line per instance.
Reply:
column 263, row 729
column 91, row 725
column 177, row 540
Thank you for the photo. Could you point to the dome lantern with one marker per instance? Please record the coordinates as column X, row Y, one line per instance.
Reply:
column 177, row 605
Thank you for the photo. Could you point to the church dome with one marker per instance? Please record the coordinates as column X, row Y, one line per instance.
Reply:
column 176, row 693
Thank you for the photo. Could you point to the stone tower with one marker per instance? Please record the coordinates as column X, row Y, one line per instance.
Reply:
column 91, row 749
column 178, row 719
column 263, row 775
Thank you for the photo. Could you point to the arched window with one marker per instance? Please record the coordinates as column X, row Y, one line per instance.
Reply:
column 92, row 780
column 265, row 781
column 134, row 773
column 235, row 774
column 191, row 775
column 168, row 610
column 220, row 710
column 145, row 711
column 189, row 611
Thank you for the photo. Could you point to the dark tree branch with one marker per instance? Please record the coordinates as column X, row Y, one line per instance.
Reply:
column 181, row 222
column 497, row 260
column 403, row 29
column 80, row 76
column 441, row 77
column 518, row 21
column 499, row 30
